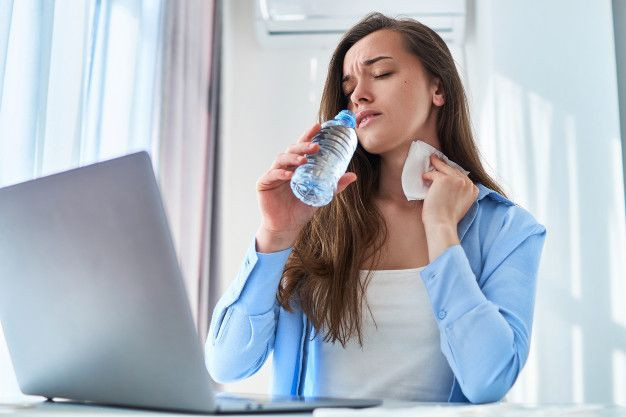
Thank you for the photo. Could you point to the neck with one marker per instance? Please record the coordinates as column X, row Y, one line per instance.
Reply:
column 392, row 162
column 391, row 165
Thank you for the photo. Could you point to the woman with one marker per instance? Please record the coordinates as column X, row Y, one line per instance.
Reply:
column 373, row 295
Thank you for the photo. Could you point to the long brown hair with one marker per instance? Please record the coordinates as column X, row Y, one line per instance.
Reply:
column 322, row 272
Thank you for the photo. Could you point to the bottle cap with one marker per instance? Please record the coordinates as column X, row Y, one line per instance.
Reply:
column 347, row 118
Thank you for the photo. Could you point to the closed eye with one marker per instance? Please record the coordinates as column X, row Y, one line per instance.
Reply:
column 347, row 95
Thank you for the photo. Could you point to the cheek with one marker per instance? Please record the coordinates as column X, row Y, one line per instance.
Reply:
column 411, row 102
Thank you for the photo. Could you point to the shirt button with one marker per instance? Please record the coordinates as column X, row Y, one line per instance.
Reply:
column 442, row 314
column 247, row 261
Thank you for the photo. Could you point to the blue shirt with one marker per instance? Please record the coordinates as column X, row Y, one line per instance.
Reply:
column 482, row 293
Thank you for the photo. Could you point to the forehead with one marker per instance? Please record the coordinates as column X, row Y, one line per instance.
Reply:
column 380, row 43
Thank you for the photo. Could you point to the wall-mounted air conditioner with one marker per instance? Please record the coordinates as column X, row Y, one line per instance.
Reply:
column 320, row 23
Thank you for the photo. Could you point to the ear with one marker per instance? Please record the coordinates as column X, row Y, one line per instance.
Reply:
column 437, row 92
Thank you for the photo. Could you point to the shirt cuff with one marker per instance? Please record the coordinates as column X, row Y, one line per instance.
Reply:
column 260, row 284
column 451, row 286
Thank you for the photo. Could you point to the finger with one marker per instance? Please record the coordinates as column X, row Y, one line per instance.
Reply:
column 345, row 180
column 273, row 178
column 432, row 175
column 310, row 133
column 442, row 166
column 302, row 148
column 287, row 160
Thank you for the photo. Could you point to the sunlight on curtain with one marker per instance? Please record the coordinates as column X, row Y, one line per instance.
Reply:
column 79, row 83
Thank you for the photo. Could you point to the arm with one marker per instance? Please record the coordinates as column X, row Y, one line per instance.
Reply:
column 485, row 324
column 242, row 330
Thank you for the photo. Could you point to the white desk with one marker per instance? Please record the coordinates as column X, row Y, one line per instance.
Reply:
column 63, row 409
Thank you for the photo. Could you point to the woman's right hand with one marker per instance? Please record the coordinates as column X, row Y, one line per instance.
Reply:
column 282, row 213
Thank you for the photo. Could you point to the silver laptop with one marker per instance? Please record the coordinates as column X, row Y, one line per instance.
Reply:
column 92, row 301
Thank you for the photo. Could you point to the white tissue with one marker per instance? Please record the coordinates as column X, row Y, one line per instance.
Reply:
column 418, row 162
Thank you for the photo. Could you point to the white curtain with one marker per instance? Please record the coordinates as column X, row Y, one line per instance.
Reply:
column 78, row 83
column 188, row 126
column 95, row 79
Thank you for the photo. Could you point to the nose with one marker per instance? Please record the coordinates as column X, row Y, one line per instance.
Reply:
column 361, row 95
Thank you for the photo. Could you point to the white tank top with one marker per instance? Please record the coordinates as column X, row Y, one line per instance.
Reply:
column 401, row 357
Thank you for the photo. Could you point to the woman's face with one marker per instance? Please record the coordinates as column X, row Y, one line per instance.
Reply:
column 380, row 76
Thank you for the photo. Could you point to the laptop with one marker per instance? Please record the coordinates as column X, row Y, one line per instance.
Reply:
column 92, row 300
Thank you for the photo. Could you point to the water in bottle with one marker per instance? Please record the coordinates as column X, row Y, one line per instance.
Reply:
column 315, row 182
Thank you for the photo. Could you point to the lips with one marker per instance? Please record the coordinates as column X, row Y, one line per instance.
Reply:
column 365, row 116
column 366, row 120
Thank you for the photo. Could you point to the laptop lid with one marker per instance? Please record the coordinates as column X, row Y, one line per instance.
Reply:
column 92, row 300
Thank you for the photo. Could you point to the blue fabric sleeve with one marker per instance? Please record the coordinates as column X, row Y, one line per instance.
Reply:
column 485, row 329
column 243, row 323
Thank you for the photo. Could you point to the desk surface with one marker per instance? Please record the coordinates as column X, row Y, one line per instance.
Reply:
column 389, row 409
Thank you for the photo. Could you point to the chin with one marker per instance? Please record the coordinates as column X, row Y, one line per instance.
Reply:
column 375, row 145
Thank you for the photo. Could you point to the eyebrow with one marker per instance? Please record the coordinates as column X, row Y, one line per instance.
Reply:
column 367, row 62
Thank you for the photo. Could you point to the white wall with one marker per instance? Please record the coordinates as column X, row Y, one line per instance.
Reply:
column 544, row 98
column 542, row 85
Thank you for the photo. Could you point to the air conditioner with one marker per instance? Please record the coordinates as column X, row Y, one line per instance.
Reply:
column 321, row 23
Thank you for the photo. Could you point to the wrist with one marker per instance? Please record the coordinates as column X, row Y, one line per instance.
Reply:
column 439, row 237
column 268, row 241
column 440, row 228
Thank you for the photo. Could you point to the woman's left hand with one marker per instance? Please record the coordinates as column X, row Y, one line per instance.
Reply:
column 449, row 197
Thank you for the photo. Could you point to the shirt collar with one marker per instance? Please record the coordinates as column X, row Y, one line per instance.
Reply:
column 484, row 191
column 469, row 217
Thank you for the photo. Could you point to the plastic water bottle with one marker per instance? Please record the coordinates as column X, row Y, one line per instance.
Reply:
column 315, row 182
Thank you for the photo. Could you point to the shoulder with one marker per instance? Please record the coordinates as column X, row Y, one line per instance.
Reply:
column 508, row 215
column 505, row 228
